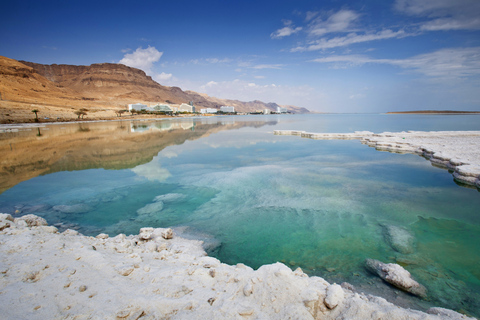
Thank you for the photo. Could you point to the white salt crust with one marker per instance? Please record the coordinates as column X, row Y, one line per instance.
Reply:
column 157, row 275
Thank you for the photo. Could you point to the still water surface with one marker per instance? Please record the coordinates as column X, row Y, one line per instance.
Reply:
column 257, row 198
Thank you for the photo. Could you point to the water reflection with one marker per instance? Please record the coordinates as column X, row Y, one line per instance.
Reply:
column 29, row 152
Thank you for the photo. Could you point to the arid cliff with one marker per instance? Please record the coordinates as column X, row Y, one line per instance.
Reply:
column 57, row 91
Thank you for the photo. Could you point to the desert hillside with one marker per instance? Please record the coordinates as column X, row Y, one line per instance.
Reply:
column 59, row 90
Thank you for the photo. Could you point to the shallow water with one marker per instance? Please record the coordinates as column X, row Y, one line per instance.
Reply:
column 257, row 198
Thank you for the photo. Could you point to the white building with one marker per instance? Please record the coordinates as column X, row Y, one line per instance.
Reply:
column 137, row 106
column 208, row 110
column 267, row 111
column 163, row 108
column 227, row 109
column 281, row 110
column 186, row 108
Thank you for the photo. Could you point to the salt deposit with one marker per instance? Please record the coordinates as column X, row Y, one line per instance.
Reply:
column 157, row 275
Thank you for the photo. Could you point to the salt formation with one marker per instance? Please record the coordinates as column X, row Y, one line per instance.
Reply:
column 158, row 275
column 397, row 276
column 400, row 239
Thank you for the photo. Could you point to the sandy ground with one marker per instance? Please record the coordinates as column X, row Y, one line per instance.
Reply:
column 19, row 112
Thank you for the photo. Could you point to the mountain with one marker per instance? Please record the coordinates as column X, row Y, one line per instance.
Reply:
column 104, row 85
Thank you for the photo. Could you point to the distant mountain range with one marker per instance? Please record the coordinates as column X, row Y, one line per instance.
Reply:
column 104, row 85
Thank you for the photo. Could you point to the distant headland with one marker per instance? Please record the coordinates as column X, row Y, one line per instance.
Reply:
column 432, row 112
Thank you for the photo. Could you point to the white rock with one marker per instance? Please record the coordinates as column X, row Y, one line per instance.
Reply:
column 70, row 232
column 145, row 233
column 397, row 276
column 400, row 239
column 32, row 220
column 102, row 236
column 6, row 216
column 167, row 233
column 448, row 314
column 169, row 197
column 150, row 209
column 335, row 296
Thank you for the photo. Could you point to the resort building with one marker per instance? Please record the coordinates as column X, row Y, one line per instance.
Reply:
column 137, row 106
column 227, row 109
column 208, row 110
column 281, row 110
column 186, row 108
column 163, row 108
column 267, row 111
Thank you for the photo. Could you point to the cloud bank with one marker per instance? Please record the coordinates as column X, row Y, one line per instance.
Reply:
column 144, row 59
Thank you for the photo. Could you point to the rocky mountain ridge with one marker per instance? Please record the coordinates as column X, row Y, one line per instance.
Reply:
column 119, row 84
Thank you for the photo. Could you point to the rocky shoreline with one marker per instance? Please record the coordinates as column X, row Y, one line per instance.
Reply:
column 158, row 275
column 457, row 151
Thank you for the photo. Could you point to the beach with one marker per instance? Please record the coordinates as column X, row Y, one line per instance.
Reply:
column 157, row 274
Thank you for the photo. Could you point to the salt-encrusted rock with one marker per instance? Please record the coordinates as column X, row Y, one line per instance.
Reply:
column 145, row 233
column 6, row 216
column 334, row 297
column 248, row 289
column 151, row 208
column 70, row 232
column 125, row 270
column 48, row 229
column 102, row 236
column 4, row 224
column 399, row 238
column 167, row 233
column 397, row 276
column 468, row 174
column 449, row 314
column 169, row 197
column 32, row 220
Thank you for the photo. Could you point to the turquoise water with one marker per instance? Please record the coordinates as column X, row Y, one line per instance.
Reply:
column 258, row 198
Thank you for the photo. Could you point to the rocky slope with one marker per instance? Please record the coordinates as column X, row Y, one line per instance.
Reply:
column 121, row 85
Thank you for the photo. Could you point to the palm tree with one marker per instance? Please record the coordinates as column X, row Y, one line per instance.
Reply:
column 36, row 116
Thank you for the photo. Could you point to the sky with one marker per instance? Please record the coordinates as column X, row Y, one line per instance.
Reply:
column 327, row 56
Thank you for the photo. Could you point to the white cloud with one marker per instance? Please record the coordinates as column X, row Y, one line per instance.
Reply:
column 310, row 15
column 443, row 14
column 142, row 58
column 268, row 66
column 341, row 21
column 286, row 31
column 152, row 171
column 451, row 63
column 349, row 39
column 249, row 91
column 162, row 77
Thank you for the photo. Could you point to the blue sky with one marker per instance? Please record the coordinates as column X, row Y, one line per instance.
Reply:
column 327, row 56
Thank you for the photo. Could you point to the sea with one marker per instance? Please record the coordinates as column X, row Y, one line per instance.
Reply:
column 256, row 198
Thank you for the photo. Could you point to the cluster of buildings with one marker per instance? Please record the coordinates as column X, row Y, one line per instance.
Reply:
column 189, row 108
column 183, row 108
